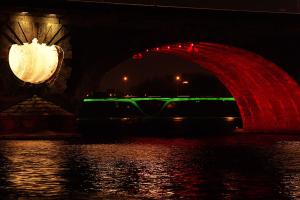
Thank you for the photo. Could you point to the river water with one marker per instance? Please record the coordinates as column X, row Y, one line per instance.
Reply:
column 222, row 167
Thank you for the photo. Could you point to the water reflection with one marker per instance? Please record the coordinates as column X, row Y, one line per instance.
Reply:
column 125, row 169
column 288, row 153
column 207, row 168
column 33, row 168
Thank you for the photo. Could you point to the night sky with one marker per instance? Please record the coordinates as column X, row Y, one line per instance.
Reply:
column 162, row 69
column 150, row 67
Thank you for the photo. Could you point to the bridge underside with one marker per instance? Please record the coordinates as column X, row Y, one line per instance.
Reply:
column 267, row 97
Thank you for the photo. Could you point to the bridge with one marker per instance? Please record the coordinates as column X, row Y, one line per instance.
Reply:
column 201, row 113
column 166, row 100
column 254, row 54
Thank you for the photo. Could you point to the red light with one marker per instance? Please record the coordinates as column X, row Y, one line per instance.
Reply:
column 137, row 56
column 169, row 47
column 267, row 97
column 157, row 49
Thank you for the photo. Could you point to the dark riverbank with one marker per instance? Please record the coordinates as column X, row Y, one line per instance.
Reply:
column 39, row 135
column 238, row 135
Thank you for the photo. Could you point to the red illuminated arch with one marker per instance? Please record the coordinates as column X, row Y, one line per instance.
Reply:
column 268, row 98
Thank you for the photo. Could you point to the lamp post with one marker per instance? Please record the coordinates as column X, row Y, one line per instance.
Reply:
column 178, row 81
column 125, row 80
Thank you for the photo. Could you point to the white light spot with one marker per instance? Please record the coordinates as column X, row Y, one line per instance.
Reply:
column 33, row 63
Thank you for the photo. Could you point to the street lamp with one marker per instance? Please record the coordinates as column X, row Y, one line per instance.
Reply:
column 125, row 80
column 178, row 81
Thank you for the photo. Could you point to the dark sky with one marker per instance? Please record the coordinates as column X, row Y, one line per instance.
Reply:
column 150, row 67
column 256, row 5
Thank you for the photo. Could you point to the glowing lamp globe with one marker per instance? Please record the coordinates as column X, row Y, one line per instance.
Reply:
column 35, row 63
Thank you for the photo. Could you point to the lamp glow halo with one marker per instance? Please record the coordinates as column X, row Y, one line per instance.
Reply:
column 35, row 63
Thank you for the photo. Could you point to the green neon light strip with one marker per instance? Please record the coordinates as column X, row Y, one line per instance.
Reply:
column 160, row 99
